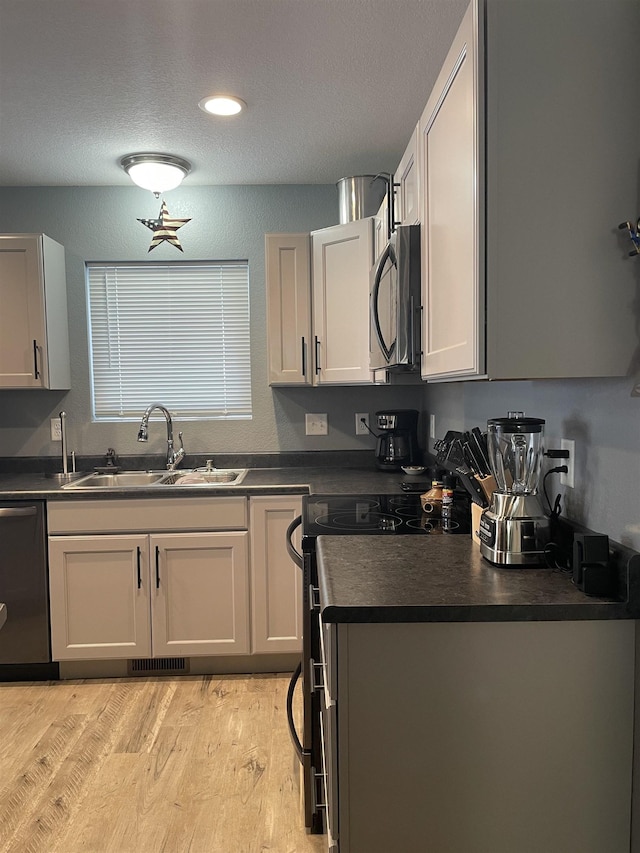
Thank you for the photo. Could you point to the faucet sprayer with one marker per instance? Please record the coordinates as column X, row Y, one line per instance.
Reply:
column 174, row 457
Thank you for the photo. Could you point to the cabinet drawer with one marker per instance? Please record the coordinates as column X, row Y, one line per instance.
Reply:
column 147, row 515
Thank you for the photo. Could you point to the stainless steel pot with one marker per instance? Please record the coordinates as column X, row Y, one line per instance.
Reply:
column 360, row 196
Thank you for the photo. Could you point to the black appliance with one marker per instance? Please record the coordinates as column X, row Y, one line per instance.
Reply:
column 397, row 435
column 394, row 337
column 346, row 515
column 25, row 651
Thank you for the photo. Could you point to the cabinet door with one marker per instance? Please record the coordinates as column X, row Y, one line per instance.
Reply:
column 407, row 210
column 449, row 168
column 22, row 329
column 99, row 591
column 288, row 274
column 342, row 260
column 276, row 582
column 34, row 340
column 200, row 594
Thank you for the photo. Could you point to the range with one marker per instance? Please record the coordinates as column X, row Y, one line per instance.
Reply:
column 346, row 515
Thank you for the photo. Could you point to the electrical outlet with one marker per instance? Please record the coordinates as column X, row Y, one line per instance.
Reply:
column 432, row 426
column 568, row 478
column 56, row 429
column 361, row 429
column 315, row 424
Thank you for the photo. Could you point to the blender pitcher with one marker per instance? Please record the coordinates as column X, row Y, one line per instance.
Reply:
column 515, row 445
column 514, row 530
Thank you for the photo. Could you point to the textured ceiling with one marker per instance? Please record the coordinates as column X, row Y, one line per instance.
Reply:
column 333, row 87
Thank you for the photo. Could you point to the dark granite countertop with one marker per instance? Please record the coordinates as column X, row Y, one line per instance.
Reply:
column 258, row 481
column 443, row 578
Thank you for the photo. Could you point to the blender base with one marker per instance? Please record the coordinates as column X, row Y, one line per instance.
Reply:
column 514, row 531
column 513, row 558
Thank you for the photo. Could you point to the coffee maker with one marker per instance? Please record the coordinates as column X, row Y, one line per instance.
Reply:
column 514, row 530
column 397, row 436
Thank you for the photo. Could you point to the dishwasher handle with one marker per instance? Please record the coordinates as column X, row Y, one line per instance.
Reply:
column 15, row 511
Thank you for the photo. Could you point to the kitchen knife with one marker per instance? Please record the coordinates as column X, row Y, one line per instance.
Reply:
column 468, row 480
column 471, row 458
column 480, row 445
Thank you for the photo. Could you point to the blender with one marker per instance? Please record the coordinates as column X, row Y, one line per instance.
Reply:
column 514, row 530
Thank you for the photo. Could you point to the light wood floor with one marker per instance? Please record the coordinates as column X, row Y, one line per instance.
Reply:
column 196, row 764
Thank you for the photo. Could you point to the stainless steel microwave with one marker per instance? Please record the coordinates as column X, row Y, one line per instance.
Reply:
column 394, row 336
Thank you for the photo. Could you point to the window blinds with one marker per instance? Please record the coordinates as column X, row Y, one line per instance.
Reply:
column 175, row 333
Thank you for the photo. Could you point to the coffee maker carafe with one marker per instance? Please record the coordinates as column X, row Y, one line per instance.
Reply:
column 397, row 436
column 514, row 530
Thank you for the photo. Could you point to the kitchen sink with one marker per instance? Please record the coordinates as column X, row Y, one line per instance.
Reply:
column 213, row 477
column 119, row 480
column 141, row 479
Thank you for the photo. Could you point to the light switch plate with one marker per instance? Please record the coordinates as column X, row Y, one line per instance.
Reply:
column 315, row 424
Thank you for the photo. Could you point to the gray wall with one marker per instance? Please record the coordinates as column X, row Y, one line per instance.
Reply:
column 230, row 222
column 600, row 415
column 100, row 224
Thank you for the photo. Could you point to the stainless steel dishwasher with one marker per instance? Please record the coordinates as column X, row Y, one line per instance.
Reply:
column 25, row 648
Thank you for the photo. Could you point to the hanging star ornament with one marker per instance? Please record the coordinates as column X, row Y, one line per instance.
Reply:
column 164, row 228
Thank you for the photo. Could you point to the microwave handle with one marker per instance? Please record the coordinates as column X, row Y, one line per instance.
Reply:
column 386, row 351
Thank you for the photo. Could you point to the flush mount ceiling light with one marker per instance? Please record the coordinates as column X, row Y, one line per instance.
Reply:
column 222, row 105
column 156, row 172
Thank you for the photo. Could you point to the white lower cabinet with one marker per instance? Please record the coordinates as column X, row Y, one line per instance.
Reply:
column 178, row 594
column 121, row 587
column 276, row 581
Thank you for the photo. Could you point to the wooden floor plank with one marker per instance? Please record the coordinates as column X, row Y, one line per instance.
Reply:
column 195, row 764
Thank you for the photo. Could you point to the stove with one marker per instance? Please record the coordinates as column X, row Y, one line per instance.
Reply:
column 342, row 515
column 352, row 515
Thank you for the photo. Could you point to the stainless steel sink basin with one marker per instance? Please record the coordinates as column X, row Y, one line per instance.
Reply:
column 123, row 479
column 215, row 477
column 138, row 479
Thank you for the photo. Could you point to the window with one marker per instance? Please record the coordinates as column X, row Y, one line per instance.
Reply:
column 173, row 333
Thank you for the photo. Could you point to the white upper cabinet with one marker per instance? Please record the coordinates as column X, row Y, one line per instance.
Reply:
column 342, row 259
column 449, row 169
column 288, row 265
column 318, row 305
column 406, row 180
column 34, row 339
column 525, row 275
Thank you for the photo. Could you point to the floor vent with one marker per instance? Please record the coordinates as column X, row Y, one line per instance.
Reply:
column 151, row 666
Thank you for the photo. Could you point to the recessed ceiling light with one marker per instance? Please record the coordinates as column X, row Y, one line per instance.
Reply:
column 222, row 105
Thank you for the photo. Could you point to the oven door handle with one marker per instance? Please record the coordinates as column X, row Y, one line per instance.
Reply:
column 297, row 745
column 293, row 552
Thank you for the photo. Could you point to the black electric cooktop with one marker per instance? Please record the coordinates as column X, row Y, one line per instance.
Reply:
column 351, row 515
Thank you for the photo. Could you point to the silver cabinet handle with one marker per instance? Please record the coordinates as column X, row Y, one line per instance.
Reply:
column 314, row 598
column 317, row 681
column 13, row 512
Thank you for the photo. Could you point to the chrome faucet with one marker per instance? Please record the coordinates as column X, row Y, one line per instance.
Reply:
column 174, row 457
